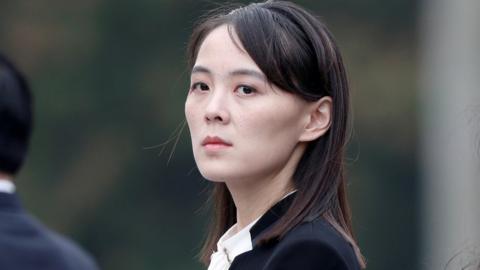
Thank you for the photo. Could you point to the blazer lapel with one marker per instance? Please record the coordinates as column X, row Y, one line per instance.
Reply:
column 270, row 218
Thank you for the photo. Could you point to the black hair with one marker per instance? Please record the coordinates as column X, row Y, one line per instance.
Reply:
column 16, row 119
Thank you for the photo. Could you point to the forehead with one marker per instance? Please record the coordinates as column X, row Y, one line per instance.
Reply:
column 222, row 49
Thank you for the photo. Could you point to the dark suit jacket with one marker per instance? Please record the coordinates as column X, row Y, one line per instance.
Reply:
column 312, row 245
column 25, row 244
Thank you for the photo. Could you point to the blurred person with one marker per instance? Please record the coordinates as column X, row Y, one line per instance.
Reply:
column 25, row 244
column 268, row 114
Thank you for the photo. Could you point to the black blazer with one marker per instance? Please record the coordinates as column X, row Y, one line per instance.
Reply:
column 25, row 244
column 312, row 245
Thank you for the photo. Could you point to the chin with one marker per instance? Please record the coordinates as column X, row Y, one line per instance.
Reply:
column 217, row 173
column 214, row 174
column 222, row 170
column 224, row 176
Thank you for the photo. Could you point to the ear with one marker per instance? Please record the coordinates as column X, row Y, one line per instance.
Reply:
column 318, row 119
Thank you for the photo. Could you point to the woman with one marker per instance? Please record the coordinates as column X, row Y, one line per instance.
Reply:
column 267, row 110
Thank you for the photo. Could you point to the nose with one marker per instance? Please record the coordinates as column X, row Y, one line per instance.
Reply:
column 216, row 110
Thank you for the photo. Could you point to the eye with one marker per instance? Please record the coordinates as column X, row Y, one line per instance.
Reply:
column 200, row 86
column 246, row 90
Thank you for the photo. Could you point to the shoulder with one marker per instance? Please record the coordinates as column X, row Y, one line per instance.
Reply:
column 313, row 245
column 74, row 256
column 27, row 240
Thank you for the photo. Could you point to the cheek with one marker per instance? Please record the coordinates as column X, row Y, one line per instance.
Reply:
column 270, row 125
column 269, row 137
column 190, row 115
column 188, row 108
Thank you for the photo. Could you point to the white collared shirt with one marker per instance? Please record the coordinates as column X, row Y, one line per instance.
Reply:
column 6, row 186
column 232, row 244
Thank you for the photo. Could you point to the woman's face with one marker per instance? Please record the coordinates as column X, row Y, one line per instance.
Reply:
column 242, row 128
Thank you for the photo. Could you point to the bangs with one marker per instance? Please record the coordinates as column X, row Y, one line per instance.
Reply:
column 280, row 49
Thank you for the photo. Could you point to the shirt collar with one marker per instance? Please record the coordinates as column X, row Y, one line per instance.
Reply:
column 6, row 186
column 233, row 243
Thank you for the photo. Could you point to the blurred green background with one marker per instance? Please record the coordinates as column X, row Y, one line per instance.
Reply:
column 109, row 78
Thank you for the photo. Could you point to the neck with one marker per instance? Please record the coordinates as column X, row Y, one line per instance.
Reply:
column 254, row 197
column 4, row 176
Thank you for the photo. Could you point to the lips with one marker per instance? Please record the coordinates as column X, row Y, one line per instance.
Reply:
column 215, row 140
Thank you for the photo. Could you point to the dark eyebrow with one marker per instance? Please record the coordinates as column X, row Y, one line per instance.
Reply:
column 237, row 72
column 248, row 72
column 200, row 69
